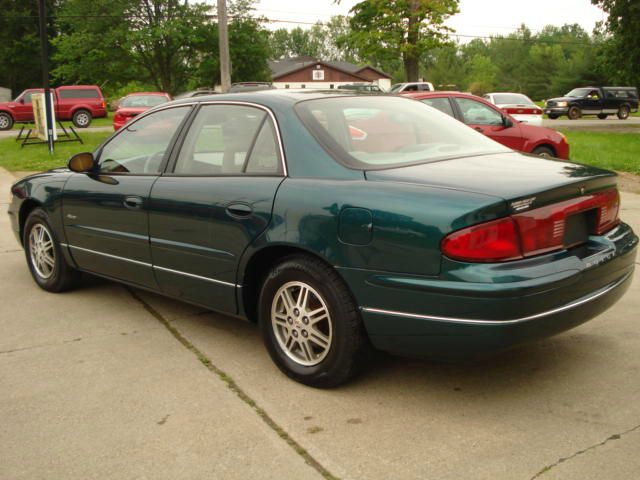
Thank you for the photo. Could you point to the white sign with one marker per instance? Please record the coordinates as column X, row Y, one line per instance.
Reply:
column 39, row 114
column 318, row 75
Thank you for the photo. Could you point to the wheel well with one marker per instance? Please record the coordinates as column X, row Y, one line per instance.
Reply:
column 25, row 209
column 256, row 271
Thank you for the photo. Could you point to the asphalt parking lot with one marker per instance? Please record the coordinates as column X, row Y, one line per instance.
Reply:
column 108, row 382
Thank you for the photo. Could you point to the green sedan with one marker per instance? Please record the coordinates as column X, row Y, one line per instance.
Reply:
column 338, row 223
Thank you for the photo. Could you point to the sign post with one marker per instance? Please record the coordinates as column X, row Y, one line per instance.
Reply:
column 48, row 104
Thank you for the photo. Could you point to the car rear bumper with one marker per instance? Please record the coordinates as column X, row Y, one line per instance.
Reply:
column 517, row 302
column 529, row 119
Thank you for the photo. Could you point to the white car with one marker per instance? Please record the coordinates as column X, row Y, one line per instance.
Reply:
column 412, row 87
column 517, row 105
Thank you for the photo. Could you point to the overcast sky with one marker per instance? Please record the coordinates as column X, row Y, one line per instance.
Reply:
column 476, row 17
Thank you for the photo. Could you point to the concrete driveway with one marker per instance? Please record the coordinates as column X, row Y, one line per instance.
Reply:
column 107, row 382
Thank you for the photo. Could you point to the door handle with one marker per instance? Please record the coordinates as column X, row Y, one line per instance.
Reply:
column 133, row 203
column 239, row 210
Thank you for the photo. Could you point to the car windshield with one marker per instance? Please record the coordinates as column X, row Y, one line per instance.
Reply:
column 385, row 132
column 579, row 92
column 143, row 101
column 394, row 88
column 511, row 99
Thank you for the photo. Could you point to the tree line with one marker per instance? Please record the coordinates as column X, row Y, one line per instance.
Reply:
column 172, row 45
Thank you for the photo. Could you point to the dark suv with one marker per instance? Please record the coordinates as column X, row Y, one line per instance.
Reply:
column 600, row 101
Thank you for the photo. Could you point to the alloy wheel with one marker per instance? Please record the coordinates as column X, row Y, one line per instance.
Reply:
column 42, row 251
column 301, row 323
column 4, row 122
column 82, row 119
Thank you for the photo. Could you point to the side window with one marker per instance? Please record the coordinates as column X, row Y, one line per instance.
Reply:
column 229, row 140
column 27, row 97
column 411, row 88
column 141, row 146
column 476, row 113
column 443, row 104
column 424, row 87
column 595, row 95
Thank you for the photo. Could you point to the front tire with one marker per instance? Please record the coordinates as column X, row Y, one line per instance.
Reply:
column 82, row 118
column 623, row 112
column 574, row 113
column 544, row 151
column 310, row 324
column 46, row 262
column 6, row 121
column 553, row 116
column 602, row 116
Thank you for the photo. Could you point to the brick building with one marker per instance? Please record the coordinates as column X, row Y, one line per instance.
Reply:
column 309, row 72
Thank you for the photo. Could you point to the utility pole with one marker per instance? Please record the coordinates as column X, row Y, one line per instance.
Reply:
column 44, row 42
column 223, row 32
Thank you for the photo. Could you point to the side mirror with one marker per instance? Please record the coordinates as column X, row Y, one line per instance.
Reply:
column 21, row 101
column 81, row 162
column 506, row 122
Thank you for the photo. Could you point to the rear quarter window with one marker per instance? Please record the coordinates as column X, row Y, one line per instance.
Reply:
column 78, row 93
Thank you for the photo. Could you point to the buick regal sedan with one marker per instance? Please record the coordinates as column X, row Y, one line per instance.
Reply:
column 337, row 222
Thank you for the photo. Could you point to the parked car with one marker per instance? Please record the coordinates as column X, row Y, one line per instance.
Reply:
column 419, row 236
column 78, row 103
column 196, row 93
column 496, row 124
column 135, row 103
column 361, row 87
column 519, row 106
column 600, row 101
column 412, row 87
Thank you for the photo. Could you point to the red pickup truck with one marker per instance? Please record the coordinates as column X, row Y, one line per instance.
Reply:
column 78, row 103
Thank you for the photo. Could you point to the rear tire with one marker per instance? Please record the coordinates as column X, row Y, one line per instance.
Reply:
column 544, row 151
column 574, row 113
column 310, row 324
column 623, row 112
column 6, row 121
column 602, row 116
column 46, row 262
column 82, row 118
column 553, row 116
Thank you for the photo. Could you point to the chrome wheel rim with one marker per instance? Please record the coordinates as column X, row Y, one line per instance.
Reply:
column 301, row 323
column 4, row 121
column 41, row 251
column 82, row 119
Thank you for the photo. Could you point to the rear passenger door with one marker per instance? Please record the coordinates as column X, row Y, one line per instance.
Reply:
column 215, row 199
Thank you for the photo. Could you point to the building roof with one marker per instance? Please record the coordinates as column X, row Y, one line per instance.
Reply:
column 285, row 66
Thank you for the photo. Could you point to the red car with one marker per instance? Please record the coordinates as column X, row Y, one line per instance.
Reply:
column 136, row 103
column 497, row 124
column 78, row 103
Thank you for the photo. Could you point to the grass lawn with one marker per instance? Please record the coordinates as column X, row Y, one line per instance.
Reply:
column 37, row 158
column 614, row 151
column 96, row 122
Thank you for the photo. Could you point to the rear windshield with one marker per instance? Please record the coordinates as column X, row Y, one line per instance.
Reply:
column 78, row 93
column 385, row 132
column 134, row 101
column 511, row 99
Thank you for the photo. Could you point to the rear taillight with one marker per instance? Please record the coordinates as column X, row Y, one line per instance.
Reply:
column 534, row 232
column 104, row 104
column 488, row 242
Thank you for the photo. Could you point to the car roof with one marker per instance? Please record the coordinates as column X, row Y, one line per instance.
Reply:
column 275, row 97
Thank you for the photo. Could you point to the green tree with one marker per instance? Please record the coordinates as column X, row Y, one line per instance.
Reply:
column 483, row 75
column 20, row 52
column 621, row 53
column 385, row 30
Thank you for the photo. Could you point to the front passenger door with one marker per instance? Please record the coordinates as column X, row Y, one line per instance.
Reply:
column 490, row 122
column 106, row 211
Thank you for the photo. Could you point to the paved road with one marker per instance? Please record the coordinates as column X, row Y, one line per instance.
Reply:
column 104, row 382
column 592, row 123
column 14, row 133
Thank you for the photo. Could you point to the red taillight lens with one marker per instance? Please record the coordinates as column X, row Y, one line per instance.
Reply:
column 487, row 242
column 531, row 233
